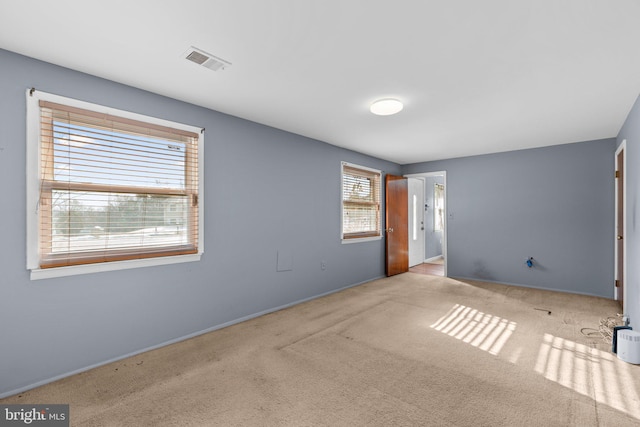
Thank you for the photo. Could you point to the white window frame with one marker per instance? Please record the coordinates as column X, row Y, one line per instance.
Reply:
column 33, row 190
column 359, row 239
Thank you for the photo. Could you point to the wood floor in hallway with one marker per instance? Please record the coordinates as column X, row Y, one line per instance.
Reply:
column 428, row 268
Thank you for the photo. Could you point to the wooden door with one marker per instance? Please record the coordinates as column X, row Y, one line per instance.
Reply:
column 397, row 239
column 620, row 227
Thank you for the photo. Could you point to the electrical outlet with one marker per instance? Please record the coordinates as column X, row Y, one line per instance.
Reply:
column 323, row 265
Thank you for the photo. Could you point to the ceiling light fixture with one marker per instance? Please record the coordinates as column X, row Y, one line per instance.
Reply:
column 386, row 107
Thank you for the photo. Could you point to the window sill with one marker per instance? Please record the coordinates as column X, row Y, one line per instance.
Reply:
column 49, row 273
column 360, row 239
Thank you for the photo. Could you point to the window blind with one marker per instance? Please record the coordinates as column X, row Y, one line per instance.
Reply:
column 360, row 202
column 113, row 188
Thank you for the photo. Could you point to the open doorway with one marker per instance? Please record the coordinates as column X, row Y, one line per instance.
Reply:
column 432, row 221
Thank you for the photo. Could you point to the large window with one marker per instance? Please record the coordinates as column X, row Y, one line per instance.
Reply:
column 360, row 203
column 109, row 187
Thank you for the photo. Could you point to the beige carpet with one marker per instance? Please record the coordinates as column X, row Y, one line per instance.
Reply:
column 412, row 350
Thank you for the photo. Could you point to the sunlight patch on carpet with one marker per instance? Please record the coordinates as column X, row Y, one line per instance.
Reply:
column 590, row 372
column 484, row 331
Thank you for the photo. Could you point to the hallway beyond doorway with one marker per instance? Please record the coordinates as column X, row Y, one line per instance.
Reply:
column 435, row 268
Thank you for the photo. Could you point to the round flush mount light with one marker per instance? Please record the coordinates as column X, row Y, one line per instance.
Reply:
column 386, row 107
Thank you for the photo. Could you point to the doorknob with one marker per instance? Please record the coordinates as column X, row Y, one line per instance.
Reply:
column 619, row 237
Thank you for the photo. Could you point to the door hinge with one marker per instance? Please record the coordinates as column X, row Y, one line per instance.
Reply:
column 617, row 283
column 617, row 174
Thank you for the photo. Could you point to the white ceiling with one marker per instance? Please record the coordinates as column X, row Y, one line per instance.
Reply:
column 475, row 76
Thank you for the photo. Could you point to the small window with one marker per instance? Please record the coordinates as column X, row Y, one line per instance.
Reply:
column 107, row 186
column 360, row 203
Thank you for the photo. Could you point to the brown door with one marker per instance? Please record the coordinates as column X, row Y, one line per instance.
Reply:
column 620, row 226
column 397, row 224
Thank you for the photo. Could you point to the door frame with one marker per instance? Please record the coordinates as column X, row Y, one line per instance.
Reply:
column 445, row 232
column 619, row 150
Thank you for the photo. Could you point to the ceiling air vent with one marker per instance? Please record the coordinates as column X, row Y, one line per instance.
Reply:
column 205, row 59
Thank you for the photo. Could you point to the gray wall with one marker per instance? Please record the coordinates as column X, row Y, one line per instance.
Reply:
column 631, row 132
column 433, row 238
column 265, row 190
column 555, row 204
